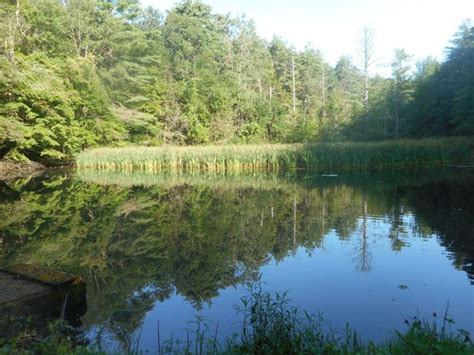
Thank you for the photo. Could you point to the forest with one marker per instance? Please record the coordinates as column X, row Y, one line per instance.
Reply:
column 76, row 74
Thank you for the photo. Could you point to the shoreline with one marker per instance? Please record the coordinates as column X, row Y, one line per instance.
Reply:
column 12, row 170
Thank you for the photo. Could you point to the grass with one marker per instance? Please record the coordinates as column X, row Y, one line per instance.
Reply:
column 280, row 157
column 271, row 325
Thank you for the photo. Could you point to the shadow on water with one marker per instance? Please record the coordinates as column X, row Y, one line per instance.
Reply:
column 138, row 239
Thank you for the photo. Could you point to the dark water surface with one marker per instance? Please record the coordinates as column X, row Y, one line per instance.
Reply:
column 367, row 249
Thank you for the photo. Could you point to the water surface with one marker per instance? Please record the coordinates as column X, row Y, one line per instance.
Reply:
column 366, row 249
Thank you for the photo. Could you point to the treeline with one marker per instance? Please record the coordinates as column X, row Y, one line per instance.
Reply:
column 81, row 73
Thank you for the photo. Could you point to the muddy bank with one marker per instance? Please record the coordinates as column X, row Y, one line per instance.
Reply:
column 10, row 170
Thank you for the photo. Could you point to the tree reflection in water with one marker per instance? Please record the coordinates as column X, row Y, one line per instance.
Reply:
column 193, row 236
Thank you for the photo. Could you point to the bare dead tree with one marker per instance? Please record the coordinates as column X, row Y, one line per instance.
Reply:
column 363, row 255
column 13, row 28
column 366, row 54
column 323, row 83
column 294, row 224
column 293, row 81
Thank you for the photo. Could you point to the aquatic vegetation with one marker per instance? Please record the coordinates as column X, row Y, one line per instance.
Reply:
column 280, row 157
column 272, row 325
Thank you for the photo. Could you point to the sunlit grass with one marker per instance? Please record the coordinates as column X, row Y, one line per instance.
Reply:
column 280, row 157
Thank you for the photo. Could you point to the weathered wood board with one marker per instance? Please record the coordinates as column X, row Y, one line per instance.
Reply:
column 36, row 292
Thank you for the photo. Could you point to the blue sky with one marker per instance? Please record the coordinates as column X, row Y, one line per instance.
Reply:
column 422, row 27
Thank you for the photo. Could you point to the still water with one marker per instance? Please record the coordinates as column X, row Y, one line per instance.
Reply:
column 370, row 250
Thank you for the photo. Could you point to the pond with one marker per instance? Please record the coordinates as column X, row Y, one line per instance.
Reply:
column 366, row 249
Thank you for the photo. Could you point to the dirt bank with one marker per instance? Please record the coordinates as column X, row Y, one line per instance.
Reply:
column 10, row 170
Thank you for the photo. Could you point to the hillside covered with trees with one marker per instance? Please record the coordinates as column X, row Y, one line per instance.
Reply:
column 82, row 73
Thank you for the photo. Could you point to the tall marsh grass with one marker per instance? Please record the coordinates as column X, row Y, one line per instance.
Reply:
column 280, row 157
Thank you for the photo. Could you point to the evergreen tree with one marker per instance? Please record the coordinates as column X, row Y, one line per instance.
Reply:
column 81, row 73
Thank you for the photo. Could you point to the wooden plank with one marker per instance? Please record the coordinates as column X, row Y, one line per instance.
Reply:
column 28, row 290
column 41, row 274
column 14, row 288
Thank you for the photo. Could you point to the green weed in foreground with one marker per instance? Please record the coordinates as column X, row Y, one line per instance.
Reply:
column 271, row 325
column 278, row 157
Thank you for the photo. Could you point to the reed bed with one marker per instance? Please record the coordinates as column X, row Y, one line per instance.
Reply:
column 280, row 157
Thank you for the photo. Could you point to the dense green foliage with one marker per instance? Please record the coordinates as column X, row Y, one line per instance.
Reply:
column 274, row 157
column 82, row 73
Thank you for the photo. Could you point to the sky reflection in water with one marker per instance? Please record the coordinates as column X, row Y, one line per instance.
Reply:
column 370, row 250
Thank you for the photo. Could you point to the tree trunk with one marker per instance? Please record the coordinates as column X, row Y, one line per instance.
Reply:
column 367, row 51
column 323, row 80
column 17, row 15
column 323, row 228
column 13, row 29
column 396, row 119
column 294, row 223
column 364, row 250
column 366, row 91
column 293, row 77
